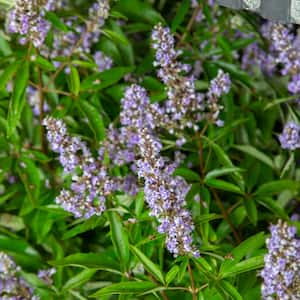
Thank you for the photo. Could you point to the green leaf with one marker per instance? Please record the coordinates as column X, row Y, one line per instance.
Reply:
column 114, row 36
column 126, row 47
column 87, row 225
column 275, row 187
column 247, row 265
column 22, row 252
column 8, row 195
column 41, row 225
column 230, row 290
column 221, row 172
column 79, row 279
column 204, row 218
column 30, row 176
column 235, row 72
column 187, row 174
column 270, row 204
column 74, row 82
column 8, row 73
column 119, row 238
column 251, row 210
column 4, row 45
column 56, row 21
column 104, row 79
column 142, row 11
column 11, row 221
column 246, row 247
column 100, row 261
column 44, row 63
column 95, row 119
column 281, row 100
column 288, row 165
column 170, row 276
column 182, row 269
column 224, row 159
column 223, row 185
column 16, row 104
column 33, row 280
column 180, row 15
column 248, row 149
column 148, row 264
column 123, row 288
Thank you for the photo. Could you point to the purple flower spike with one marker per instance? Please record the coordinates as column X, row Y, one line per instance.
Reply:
column 281, row 273
column 290, row 137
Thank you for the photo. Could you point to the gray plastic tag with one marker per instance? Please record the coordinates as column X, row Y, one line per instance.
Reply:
column 285, row 11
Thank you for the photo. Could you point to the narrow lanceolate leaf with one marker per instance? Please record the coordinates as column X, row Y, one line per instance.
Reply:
column 44, row 63
column 250, row 264
column 250, row 150
column 79, row 279
column 104, row 79
column 172, row 274
column 87, row 260
column 230, row 290
column 224, row 159
column 223, row 185
column 119, row 238
column 30, row 176
column 21, row 251
column 221, row 172
column 181, row 13
column 248, row 246
column 8, row 73
column 18, row 97
column 187, row 174
column 148, row 264
column 56, row 21
column 251, row 210
column 272, row 205
column 74, row 82
column 11, row 221
column 123, row 288
column 275, row 187
column 95, row 119
column 115, row 36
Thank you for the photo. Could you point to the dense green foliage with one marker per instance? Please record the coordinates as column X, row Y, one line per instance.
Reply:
column 241, row 179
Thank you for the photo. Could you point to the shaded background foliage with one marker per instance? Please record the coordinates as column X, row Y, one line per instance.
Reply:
column 241, row 179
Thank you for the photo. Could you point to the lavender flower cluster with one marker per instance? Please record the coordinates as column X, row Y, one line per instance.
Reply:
column 281, row 274
column 136, row 143
column 90, row 180
column 282, row 54
column 82, row 38
column 28, row 19
column 218, row 87
column 285, row 48
column 165, row 195
column 185, row 107
column 33, row 98
column 290, row 137
column 12, row 285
